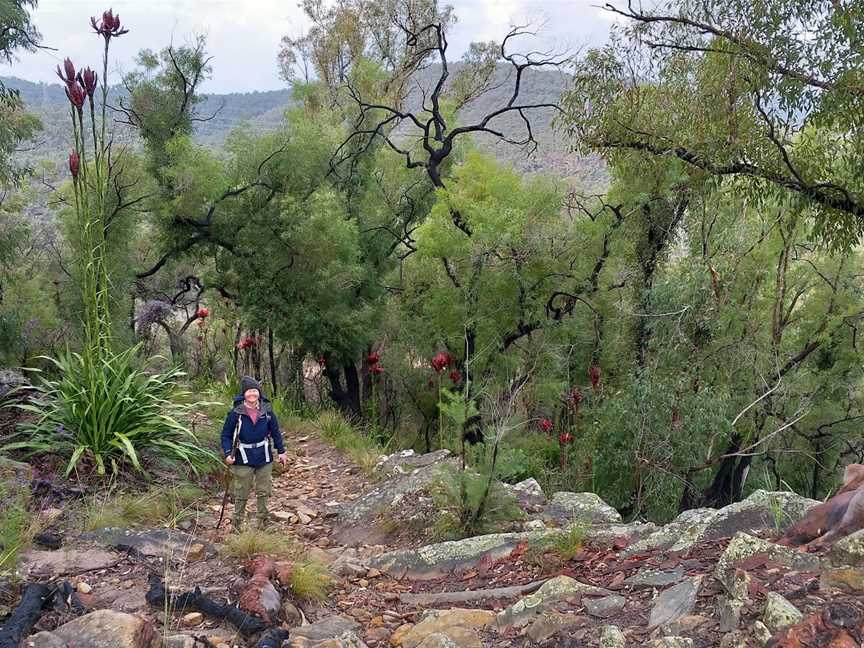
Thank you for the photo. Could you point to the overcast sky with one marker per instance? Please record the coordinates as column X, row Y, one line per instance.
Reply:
column 243, row 35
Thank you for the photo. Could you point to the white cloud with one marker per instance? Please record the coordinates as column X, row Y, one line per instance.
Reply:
column 243, row 36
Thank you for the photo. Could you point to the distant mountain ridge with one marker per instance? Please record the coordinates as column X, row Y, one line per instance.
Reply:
column 264, row 111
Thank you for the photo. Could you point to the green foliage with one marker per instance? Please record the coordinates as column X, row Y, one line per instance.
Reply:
column 109, row 414
column 361, row 449
column 457, row 496
column 17, row 527
column 158, row 506
column 311, row 580
column 253, row 542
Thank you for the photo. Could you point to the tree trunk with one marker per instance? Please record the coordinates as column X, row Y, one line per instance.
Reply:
column 274, row 386
column 347, row 399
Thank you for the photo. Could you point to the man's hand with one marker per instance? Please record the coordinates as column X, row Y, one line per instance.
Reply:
column 283, row 458
column 229, row 460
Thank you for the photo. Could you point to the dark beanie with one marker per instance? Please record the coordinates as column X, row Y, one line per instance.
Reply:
column 247, row 383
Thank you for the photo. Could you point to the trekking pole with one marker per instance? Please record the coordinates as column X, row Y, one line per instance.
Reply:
column 234, row 443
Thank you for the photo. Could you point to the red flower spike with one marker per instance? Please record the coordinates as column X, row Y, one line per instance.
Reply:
column 565, row 438
column 441, row 361
column 87, row 79
column 377, row 369
column 545, row 425
column 202, row 312
column 455, row 376
column 109, row 26
column 75, row 94
column 322, row 362
column 594, row 374
column 74, row 164
column 67, row 74
column 373, row 358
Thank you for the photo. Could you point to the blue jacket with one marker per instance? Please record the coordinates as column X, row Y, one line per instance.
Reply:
column 254, row 440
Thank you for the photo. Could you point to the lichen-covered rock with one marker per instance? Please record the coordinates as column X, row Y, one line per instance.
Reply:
column 763, row 510
column 848, row 579
column 10, row 380
column 848, row 551
column 406, row 461
column 612, row 637
column 671, row 642
column 528, row 494
column 605, row 606
column 168, row 544
column 328, row 629
column 100, row 629
column 357, row 522
column 551, row 622
column 680, row 534
column 529, row 608
column 587, row 508
column 729, row 613
column 439, row 640
column 744, row 546
column 675, row 602
column 647, row 577
column 779, row 613
column 458, row 625
column 437, row 560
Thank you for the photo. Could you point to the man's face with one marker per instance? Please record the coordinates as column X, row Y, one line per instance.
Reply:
column 251, row 396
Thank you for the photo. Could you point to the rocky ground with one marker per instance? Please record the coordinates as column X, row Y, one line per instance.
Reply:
column 710, row 578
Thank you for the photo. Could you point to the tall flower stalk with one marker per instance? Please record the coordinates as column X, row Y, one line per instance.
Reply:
column 90, row 182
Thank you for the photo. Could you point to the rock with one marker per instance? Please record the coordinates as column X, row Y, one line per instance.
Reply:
column 686, row 625
column 169, row 544
column 66, row 562
column 459, row 625
column 744, row 546
column 761, row 511
column 680, row 534
column 528, row 494
column 11, row 379
column 729, row 613
column 586, row 508
column 291, row 614
column 196, row 552
column 551, row 622
column 675, row 602
column 648, row 577
column 849, row 579
column 357, row 521
column 271, row 599
column 373, row 573
column 100, row 629
column 612, row 637
column 779, row 613
column 377, row 635
column 528, row 608
column 83, row 588
column 760, row 633
column 285, row 516
column 407, row 461
column 604, row 607
column 848, row 551
column 329, row 628
column 438, row 640
column 534, row 525
column 399, row 634
column 192, row 619
column 49, row 516
column 439, row 560
column 672, row 642
column 179, row 641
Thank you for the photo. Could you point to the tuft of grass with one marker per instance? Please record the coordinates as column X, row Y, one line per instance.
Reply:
column 252, row 542
column 17, row 528
column 336, row 431
column 557, row 548
column 311, row 580
column 156, row 507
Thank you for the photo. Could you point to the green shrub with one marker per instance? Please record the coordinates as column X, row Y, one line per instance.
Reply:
column 168, row 506
column 457, row 495
column 252, row 542
column 108, row 411
column 311, row 580
column 336, row 431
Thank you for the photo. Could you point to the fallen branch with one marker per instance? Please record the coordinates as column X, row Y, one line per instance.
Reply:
column 436, row 598
column 158, row 597
column 20, row 622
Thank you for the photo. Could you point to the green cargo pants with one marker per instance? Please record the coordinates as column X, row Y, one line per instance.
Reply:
column 247, row 478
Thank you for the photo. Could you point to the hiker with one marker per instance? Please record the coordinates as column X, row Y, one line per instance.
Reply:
column 246, row 436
